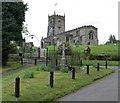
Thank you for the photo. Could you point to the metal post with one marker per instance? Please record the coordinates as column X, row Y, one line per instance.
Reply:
column 17, row 87
column 22, row 61
column 35, row 61
column 73, row 73
column 51, row 79
column 87, row 69
column 106, row 64
column 38, row 52
column 46, row 56
column 56, row 62
column 54, row 53
column 97, row 66
column 80, row 62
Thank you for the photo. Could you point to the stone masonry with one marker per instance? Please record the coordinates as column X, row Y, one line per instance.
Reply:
column 85, row 35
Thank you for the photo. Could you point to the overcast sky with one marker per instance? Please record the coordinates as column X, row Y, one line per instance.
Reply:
column 102, row 14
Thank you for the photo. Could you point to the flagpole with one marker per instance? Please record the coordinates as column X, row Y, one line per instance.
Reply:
column 55, row 8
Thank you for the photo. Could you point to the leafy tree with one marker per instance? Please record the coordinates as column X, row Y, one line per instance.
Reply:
column 13, row 16
column 112, row 39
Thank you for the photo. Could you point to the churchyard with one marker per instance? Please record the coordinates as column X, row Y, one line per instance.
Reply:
column 37, row 83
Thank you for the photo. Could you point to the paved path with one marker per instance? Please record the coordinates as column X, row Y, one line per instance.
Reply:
column 105, row 89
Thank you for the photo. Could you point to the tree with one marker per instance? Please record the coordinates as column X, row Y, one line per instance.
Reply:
column 112, row 39
column 13, row 16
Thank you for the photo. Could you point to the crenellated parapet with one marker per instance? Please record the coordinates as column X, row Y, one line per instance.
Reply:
column 86, row 34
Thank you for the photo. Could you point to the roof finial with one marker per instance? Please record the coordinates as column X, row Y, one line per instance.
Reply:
column 64, row 14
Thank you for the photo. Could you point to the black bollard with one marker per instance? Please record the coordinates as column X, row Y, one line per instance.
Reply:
column 46, row 61
column 21, row 60
column 87, row 69
column 80, row 63
column 17, row 87
column 106, row 64
column 73, row 73
column 97, row 66
column 56, row 62
column 51, row 79
column 35, row 61
column 47, row 57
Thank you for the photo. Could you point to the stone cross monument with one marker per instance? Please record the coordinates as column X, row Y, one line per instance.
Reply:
column 63, row 60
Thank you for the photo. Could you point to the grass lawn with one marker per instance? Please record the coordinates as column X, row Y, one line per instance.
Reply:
column 111, row 50
column 95, row 49
column 0, row 90
column 38, row 89
column 101, row 62
column 11, row 65
column 0, row 70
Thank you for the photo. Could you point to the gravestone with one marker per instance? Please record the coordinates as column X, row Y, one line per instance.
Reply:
column 87, row 52
column 43, row 52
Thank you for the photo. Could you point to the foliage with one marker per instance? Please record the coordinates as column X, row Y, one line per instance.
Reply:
column 29, row 74
column 64, row 69
column 114, row 57
column 11, row 65
column 43, row 67
column 112, row 39
column 14, row 48
column 13, row 16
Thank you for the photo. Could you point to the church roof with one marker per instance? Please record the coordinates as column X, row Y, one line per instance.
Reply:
column 68, row 32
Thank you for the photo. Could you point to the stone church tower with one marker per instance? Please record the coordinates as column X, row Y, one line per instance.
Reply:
column 56, row 34
column 56, row 24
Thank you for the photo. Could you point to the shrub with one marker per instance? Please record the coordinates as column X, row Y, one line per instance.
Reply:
column 64, row 69
column 45, row 68
column 114, row 57
column 38, row 69
column 29, row 74
column 42, row 67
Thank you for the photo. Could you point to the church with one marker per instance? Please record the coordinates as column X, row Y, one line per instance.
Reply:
column 56, row 34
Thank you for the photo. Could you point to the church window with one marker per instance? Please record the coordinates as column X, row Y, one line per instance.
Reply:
column 59, row 21
column 74, row 41
column 91, row 35
column 77, row 33
column 59, row 27
column 67, row 39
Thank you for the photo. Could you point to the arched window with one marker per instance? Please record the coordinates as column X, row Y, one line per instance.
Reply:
column 91, row 35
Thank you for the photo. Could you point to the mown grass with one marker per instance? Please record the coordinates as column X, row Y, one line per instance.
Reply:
column 11, row 65
column 95, row 49
column 98, row 49
column 101, row 62
column 38, row 89
column 0, row 90
column 111, row 50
